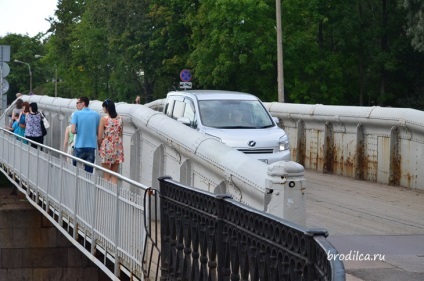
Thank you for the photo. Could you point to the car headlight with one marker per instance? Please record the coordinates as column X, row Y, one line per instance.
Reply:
column 284, row 143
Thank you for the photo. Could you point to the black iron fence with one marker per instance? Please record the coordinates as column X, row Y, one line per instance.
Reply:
column 205, row 236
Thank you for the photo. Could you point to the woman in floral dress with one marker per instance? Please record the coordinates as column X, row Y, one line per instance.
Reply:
column 109, row 138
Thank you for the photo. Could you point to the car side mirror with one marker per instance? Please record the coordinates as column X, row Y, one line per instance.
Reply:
column 186, row 121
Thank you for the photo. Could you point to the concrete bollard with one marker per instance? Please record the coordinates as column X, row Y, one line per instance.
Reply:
column 285, row 191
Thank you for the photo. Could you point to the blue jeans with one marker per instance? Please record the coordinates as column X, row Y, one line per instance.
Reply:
column 86, row 154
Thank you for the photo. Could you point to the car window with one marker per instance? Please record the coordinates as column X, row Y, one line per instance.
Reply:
column 179, row 108
column 189, row 112
column 261, row 117
column 234, row 114
column 169, row 107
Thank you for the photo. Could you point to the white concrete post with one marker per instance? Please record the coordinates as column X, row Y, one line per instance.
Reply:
column 285, row 191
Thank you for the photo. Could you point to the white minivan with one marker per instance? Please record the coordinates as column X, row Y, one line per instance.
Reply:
column 237, row 119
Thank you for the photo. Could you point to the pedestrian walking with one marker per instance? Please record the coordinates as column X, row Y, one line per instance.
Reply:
column 137, row 100
column 21, row 120
column 33, row 121
column 109, row 138
column 18, row 108
column 69, row 141
column 15, row 124
column 85, row 123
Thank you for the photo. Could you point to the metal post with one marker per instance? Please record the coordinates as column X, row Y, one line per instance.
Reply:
column 30, row 79
column 3, row 105
column 30, row 73
column 55, row 81
column 280, row 73
column 4, row 57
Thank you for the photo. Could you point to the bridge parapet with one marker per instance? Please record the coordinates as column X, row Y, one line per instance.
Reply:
column 377, row 144
column 156, row 145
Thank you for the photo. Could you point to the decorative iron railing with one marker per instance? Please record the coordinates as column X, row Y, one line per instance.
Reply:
column 205, row 236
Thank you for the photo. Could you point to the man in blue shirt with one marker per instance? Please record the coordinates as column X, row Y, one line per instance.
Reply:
column 85, row 123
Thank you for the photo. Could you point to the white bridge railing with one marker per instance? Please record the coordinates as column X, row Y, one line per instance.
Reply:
column 109, row 220
column 104, row 221
column 156, row 145
column 377, row 144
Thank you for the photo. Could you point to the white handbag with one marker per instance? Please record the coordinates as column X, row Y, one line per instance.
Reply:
column 45, row 121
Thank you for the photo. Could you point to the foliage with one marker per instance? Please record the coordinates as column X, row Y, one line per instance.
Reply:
column 335, row 52
column 22, row 48
column 415, row 22
column 234, row 46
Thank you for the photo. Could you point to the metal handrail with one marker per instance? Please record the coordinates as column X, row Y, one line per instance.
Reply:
column 101, row 219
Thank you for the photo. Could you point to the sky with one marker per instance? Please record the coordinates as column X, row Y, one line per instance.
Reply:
column 26, row 17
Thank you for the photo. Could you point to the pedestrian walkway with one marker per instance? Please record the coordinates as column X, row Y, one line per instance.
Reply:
column 385, row 222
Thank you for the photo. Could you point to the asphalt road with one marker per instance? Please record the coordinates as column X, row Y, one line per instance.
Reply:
column 383, row 223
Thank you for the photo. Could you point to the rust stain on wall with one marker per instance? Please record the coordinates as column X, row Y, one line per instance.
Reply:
column 395, row 158
column 396, row 169
column 350, row 166
column 329, row 149
column 362, row 162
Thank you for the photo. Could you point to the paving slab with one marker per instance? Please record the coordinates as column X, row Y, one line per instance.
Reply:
column 380, row 244
column 369, row 218
column 345, row 206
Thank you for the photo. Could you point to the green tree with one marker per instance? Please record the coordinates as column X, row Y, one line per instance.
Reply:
column 234, row 46
column 346, row 52
column 23, row 48
column 126, row 23
column 165, row 43
column 415, row 22
column 59, row 45
column 335, row 52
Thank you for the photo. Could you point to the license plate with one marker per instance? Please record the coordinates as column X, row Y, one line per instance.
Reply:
column 264, row 160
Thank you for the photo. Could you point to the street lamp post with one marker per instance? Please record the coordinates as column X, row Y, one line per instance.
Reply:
column 55, row 76
column 280, row 71
column 30, row 74
column 143, row 86
column 55, row 81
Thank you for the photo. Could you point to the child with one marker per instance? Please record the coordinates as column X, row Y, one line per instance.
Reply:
column 69, row 140
column 15, row 124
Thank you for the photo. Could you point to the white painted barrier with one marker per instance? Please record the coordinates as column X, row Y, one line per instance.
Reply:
column 156, row 145
column 377, row 144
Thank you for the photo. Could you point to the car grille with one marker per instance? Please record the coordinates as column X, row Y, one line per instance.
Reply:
column 257, row 151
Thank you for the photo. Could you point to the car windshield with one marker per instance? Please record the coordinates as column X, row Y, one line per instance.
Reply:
column 234, row 114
